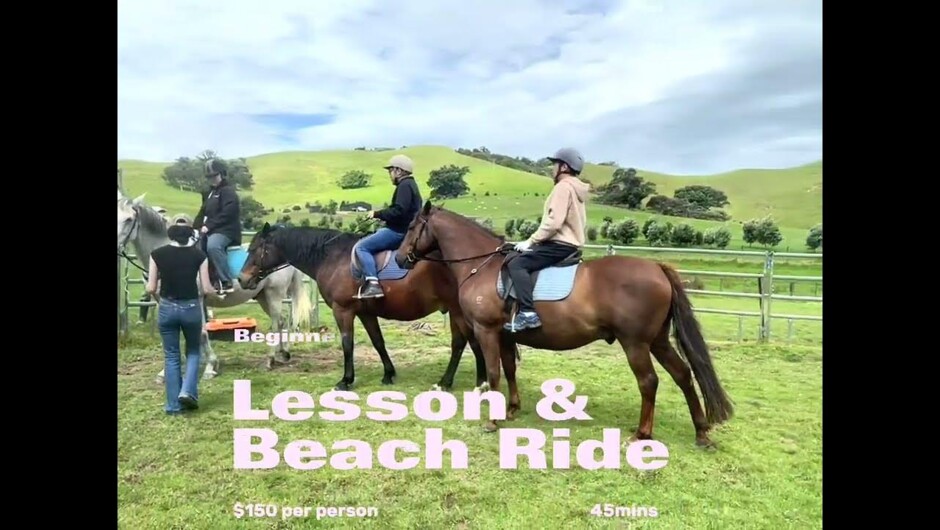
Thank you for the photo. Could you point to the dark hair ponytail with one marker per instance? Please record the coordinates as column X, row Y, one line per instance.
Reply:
column 180, row 234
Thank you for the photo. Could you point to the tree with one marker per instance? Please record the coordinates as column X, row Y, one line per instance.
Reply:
column 354, row 179
column 659, row 234
column 763, row 231
column 526, row 228
column 188, row 174
column 251, row 212
column 592, row 233
column 683, row 235
column 704, row 196
column 626, row 188
column 510, row 228
column 646, row 226
column 625, row 232
column 447, row 182
column 717, row 236
column 814, row 239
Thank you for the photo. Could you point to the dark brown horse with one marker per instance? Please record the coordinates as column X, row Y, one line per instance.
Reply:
column 326, row 256
column 630, row 300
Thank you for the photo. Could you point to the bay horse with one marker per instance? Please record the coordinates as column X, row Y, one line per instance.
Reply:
column 326, row 255
column 627, row 299
column 142, row 227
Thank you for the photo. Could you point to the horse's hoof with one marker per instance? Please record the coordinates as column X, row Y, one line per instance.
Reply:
column 485, row 387
column 705, row 444
column 342, row 385
column 158, row 380
column 490, row 426
column 209, row 375
column 388, row 380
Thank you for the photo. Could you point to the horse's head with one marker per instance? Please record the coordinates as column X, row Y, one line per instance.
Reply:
column 264, row 257
column 128, row 223
column 420, row 240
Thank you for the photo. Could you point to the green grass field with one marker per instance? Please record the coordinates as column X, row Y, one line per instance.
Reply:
column 177, row 472
column 283, row 180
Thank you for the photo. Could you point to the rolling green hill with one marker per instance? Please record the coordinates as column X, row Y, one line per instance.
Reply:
column 282, row 180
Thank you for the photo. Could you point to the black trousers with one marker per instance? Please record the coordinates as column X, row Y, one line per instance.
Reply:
column 539, row 257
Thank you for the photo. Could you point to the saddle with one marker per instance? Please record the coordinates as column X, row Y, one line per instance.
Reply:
column 237, row 256
column 386, row 266
column 552, row 283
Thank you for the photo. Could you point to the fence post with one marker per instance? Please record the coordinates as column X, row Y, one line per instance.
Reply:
column 119, row 292
column 767, row 289
column 610, row 250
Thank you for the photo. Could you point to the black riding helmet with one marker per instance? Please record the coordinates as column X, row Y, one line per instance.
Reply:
column 214, row 167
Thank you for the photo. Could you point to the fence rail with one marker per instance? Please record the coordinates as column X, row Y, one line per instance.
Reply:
column 765, row 280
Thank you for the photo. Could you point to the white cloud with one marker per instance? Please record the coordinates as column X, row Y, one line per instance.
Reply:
column 522, row 78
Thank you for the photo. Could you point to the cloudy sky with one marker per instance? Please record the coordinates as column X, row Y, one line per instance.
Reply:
column 685, row 87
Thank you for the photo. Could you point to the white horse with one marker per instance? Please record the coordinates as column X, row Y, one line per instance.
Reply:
column 144, row 228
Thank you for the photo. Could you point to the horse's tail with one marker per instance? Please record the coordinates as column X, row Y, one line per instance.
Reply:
column 692, row 346
column 300, row 301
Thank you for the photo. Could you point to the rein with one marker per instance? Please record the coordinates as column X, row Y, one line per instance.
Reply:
column 412, row 257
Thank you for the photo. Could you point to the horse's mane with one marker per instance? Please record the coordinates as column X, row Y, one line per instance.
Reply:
column 307, row 244
column 473, row 223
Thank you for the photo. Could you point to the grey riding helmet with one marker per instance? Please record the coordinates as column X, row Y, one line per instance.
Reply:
column 569, row 156
column 214, row 167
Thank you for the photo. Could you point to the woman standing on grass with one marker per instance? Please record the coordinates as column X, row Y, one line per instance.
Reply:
column 176, row 267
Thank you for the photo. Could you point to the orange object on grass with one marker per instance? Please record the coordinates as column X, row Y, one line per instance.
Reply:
column 224, row 328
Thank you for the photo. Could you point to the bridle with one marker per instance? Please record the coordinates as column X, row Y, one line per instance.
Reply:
column 412, row 257
column 264, row 273
column 131, row 234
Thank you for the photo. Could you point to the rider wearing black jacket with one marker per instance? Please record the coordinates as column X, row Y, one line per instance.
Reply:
column 219, row 221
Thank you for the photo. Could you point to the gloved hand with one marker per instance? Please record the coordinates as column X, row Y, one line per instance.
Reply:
column 523, row 246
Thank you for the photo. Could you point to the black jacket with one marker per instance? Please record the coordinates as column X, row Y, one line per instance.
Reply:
column 221, row 210
column 406, row 202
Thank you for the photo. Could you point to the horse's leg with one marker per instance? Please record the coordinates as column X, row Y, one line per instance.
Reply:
column 272, row 309
column 344, row 321
column 142, row 318
column 490, row 343
column 641, row 362
column 682, row 374
column 507, row 352
column 371, row 323
column 458, row 341
column 212, row 362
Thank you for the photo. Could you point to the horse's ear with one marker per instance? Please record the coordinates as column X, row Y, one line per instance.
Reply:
column 139, row 199
column 266, row 228
column 427, row 207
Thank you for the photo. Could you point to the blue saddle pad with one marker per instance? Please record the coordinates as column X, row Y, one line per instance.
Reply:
column 551, row 284
column 237, row 256
column 391, row 271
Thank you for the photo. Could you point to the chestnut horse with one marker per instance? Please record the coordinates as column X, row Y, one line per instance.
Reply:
column 630, row 300
column 326, row 256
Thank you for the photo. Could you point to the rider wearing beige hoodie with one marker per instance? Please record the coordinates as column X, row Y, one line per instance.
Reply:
column 562, row 232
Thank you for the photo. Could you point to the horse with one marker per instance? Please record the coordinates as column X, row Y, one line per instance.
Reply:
column 144, row 228
column 614, row 298
column 327, row 256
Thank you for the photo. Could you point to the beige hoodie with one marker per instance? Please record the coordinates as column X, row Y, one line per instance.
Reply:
column 564, row 217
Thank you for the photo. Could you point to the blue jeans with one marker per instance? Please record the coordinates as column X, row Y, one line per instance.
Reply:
column 175, row 316
column 382, row 239
column 215, row 249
